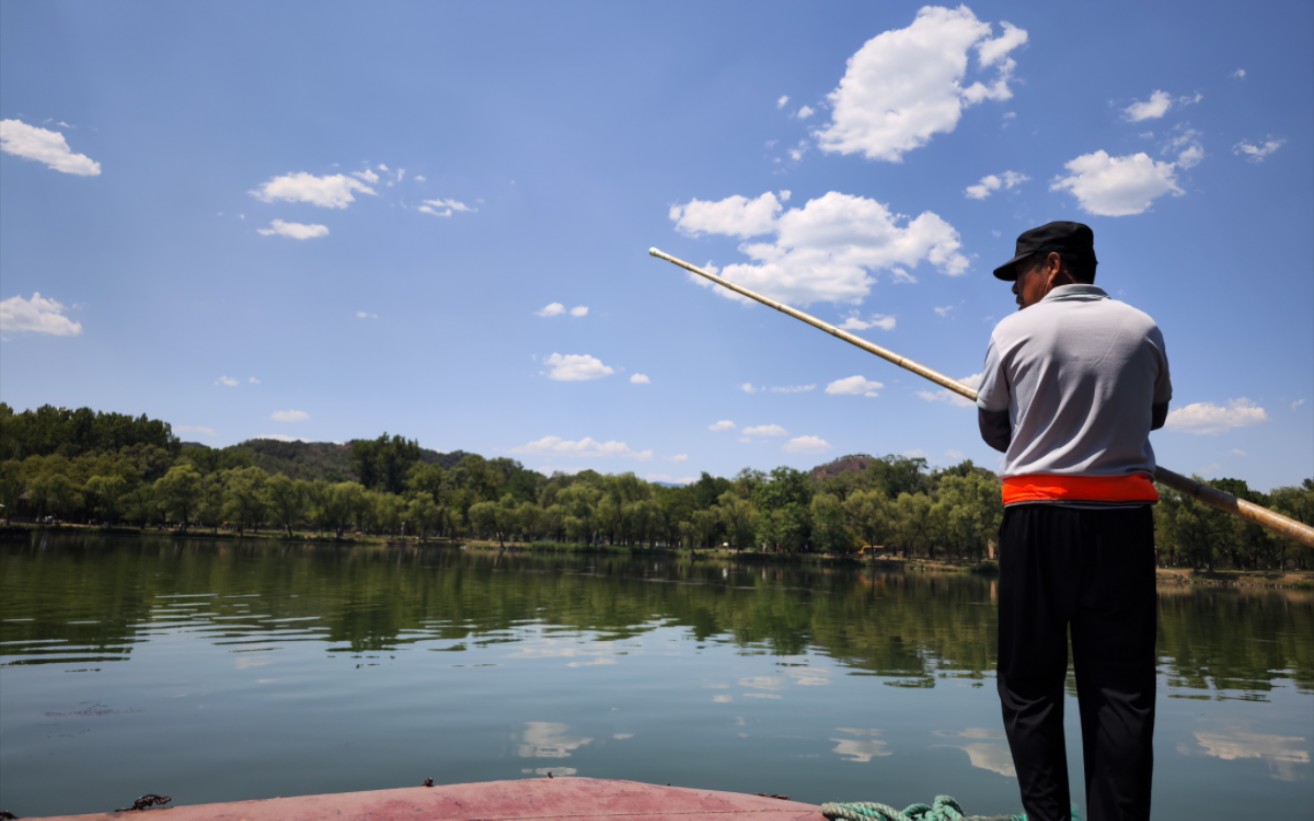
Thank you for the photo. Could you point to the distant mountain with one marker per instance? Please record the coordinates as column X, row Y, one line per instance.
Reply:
column 854, row 463
column 328, row 461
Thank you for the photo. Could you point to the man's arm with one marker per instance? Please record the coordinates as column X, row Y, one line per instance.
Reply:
column 1158, row 415
column 995, row 428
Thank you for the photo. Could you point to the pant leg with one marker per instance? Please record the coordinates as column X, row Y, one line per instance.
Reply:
column 1035, row 601
column 1113, row 636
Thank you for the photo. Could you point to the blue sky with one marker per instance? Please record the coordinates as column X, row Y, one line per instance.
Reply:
column 328, row 221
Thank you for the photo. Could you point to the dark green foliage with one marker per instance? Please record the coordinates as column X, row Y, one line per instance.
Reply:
column 72, row 433
column 84, row 466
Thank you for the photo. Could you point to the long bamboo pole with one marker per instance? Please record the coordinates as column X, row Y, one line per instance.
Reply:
column 1211, row 496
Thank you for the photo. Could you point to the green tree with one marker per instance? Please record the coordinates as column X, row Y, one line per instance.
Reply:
column 245, row 502
column 424, row 515
column 342, row 504
column 426, row 478
column 383, row 463
column 11, row 483
column 105, row 496
column 483, row 520
column 911, row 523
column 289, row 500
column 704, row 528
column 1298, row 503
column 784, row 506
column 869, row 514
column 969, row 512
column 387, row 512
column 178, row 492
column 830, row 530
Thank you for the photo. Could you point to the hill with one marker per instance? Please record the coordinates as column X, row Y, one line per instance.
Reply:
column 327, row 461
column 853, row 463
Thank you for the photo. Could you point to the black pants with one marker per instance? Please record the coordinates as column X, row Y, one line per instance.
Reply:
column 1091, row 572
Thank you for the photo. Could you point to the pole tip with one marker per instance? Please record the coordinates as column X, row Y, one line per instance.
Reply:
column 654, row 252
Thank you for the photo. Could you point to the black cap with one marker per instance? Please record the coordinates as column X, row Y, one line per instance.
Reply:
column 1065, row 237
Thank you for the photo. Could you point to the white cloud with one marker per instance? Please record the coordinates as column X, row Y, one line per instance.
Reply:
column 943, row 310
column 807, row 444
column 946, row 395
column 46, row 147
column 586, row 447
column 293, row 230
column 854, row 386
column 805, row 112
column 826, row 251
column 1239, row 74
column 1257, row 152
column 906, row 85
column 227, row 382
column 576, row 368
column 368, row 176
column 735, row 216
column 366, row 315
column 1296, row 404
column 1117, row 186
column 444, row 208
column 197, row 429
column 557, row 309
column 749, row 387
column 1208, row 419
column 289, row 416
column 640, row 379
column 680, row 458
column 782, row 101
column 764, row 430
column 38, row 315
column 253, row 381
column 724, row 424
column 857, row 323
column 995, row 182
column 329, row 191
column 1151, row 109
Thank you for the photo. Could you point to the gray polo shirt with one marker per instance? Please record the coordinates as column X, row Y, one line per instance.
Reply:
column 1078, row 373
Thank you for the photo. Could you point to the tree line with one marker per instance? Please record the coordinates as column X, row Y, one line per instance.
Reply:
column 111, row 469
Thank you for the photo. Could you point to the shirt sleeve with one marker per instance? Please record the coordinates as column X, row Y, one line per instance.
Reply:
column 993, row 394
column 1163, row 384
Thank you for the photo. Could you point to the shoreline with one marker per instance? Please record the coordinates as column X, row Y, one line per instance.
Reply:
column 1165, row 576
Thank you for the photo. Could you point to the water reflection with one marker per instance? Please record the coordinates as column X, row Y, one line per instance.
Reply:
column 116, row 656
column 986, row 749
column 1287, row 757
column 545, row 739
column 862, row 748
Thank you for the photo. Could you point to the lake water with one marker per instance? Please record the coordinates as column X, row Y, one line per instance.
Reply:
column 215, row 670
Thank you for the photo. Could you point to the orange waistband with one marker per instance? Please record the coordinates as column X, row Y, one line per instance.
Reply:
column 1042, row 487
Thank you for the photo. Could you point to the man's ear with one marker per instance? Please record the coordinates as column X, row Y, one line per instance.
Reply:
column 1055, row 274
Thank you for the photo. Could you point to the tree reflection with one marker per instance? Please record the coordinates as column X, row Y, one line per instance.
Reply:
column 90, row 596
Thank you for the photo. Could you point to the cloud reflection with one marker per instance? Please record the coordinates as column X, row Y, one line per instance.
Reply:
column 1283, row 754
column 986, row 750
column 857, row 749
column 545, row 739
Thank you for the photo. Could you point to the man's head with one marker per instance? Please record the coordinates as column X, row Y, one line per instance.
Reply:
column 1058, row 253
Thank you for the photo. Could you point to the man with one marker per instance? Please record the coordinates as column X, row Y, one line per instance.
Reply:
column 1074, row 383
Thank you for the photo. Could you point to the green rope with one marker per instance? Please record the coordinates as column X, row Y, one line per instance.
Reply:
column 945, row 808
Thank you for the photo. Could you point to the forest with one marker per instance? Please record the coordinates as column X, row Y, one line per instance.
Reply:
column 113, row 470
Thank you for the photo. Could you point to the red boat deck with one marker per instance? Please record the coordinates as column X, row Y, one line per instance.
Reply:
column 538, row 798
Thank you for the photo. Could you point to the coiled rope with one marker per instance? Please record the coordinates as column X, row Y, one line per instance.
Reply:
column 945, row 808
